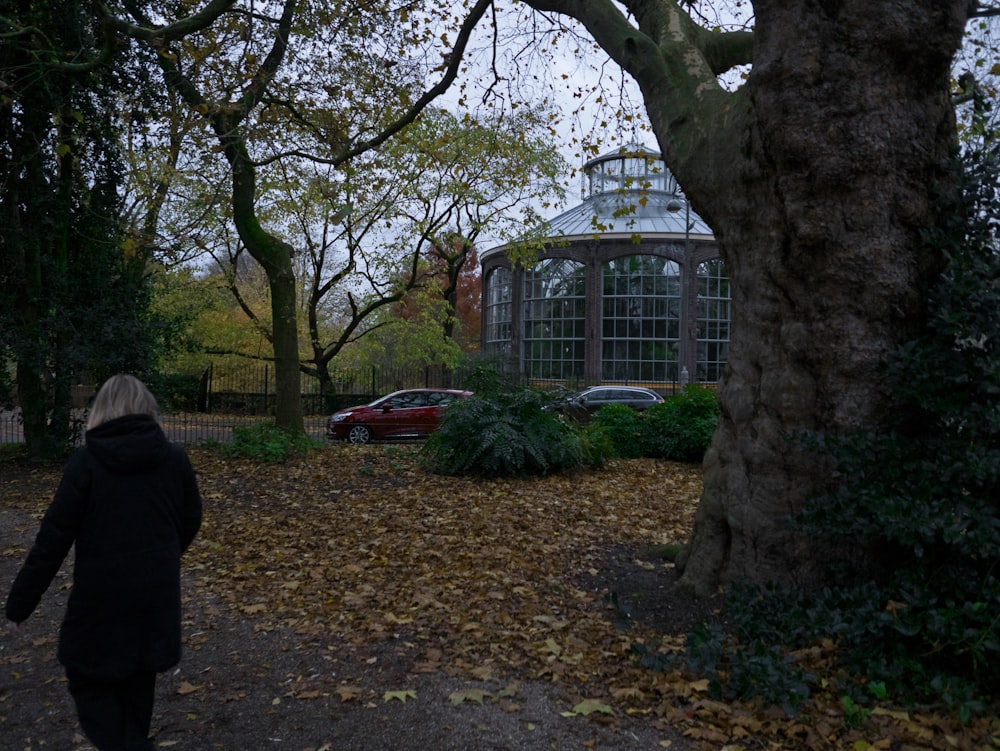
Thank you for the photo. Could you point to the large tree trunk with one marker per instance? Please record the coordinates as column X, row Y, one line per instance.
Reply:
column 844, row 162
column 817, row 177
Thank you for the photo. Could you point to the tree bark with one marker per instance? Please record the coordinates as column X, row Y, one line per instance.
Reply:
column 275, row 256
column 846, row 158
column 818, row 177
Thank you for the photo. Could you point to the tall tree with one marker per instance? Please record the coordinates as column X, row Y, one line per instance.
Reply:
column 418, row 207
column 73, row 293
column 819, row 176
column 249, row 70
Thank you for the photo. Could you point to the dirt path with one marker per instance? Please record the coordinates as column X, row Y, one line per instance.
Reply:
column 251, row 687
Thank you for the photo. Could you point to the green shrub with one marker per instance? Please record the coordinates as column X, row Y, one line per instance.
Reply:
column 620, row 424
column 922, row 503
column 596, row 445
column 266, row 442
column 751, row 669
column 502, row 430
column 681, row 428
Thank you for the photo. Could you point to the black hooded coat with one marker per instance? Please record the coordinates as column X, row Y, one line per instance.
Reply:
column 129, row 501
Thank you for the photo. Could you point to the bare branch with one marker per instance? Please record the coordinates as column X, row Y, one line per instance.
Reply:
column 454, row 64
column 986, row 11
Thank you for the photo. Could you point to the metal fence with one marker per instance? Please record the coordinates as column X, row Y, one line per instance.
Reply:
column 208, row 406
column 251, row 390
column 182, row 427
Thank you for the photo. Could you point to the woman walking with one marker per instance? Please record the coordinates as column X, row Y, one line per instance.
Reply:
column 129, row 501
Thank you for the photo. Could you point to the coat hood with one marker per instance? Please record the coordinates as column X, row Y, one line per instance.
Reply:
column 133, row 443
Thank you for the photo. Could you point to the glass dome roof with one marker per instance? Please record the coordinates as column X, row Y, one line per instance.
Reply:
column 630, row 192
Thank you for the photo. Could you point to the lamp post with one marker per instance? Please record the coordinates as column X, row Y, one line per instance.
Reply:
column 674, row 205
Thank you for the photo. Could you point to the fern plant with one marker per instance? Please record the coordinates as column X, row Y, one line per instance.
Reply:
column 503, row 430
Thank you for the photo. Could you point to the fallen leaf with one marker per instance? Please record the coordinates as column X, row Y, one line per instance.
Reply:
column 700, row 686
column 905, row 716
column 471, row 695
column 399, row 695
column 186, row 688
column 589, row 706
column 348, row 693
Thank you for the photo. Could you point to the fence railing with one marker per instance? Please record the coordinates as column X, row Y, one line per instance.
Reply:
column 181, row 427
column 207, row 407
column 251, row 390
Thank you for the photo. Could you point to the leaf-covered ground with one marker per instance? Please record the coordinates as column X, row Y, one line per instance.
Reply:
column 351, row 600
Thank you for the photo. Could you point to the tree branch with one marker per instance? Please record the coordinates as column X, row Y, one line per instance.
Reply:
column 724, row 51
column 985, row 11
column 190, row 24
column 269, row 68
column 454, row 64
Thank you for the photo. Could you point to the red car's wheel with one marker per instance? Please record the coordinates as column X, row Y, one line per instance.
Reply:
column 359, row 434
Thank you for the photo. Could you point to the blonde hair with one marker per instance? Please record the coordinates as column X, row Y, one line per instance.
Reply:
column 122, row 395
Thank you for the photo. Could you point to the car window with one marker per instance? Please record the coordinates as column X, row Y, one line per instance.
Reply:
column 409, row 401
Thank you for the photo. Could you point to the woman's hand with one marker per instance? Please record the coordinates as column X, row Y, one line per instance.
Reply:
column 14, row 628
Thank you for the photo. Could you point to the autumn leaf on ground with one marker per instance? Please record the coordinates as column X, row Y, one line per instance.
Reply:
column 472, row 695
column 700, row 686
column 186, row 688
column 400, row 549
column 628, row 693
column 399, row 695
column 348, row 693
column 588, row 707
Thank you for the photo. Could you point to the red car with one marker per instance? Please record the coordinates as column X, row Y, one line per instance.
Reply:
column 410, row 413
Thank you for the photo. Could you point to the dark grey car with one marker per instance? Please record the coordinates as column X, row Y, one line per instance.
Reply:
column 583, row 404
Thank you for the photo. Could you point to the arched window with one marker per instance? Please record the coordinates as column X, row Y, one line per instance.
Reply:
column 714, row 308
column 641, row 319
column 554, row 319
column 498, row 309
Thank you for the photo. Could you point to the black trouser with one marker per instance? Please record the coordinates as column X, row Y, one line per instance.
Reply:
column 115, row 716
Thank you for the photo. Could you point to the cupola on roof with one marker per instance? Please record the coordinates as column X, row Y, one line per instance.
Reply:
column 630, row 192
